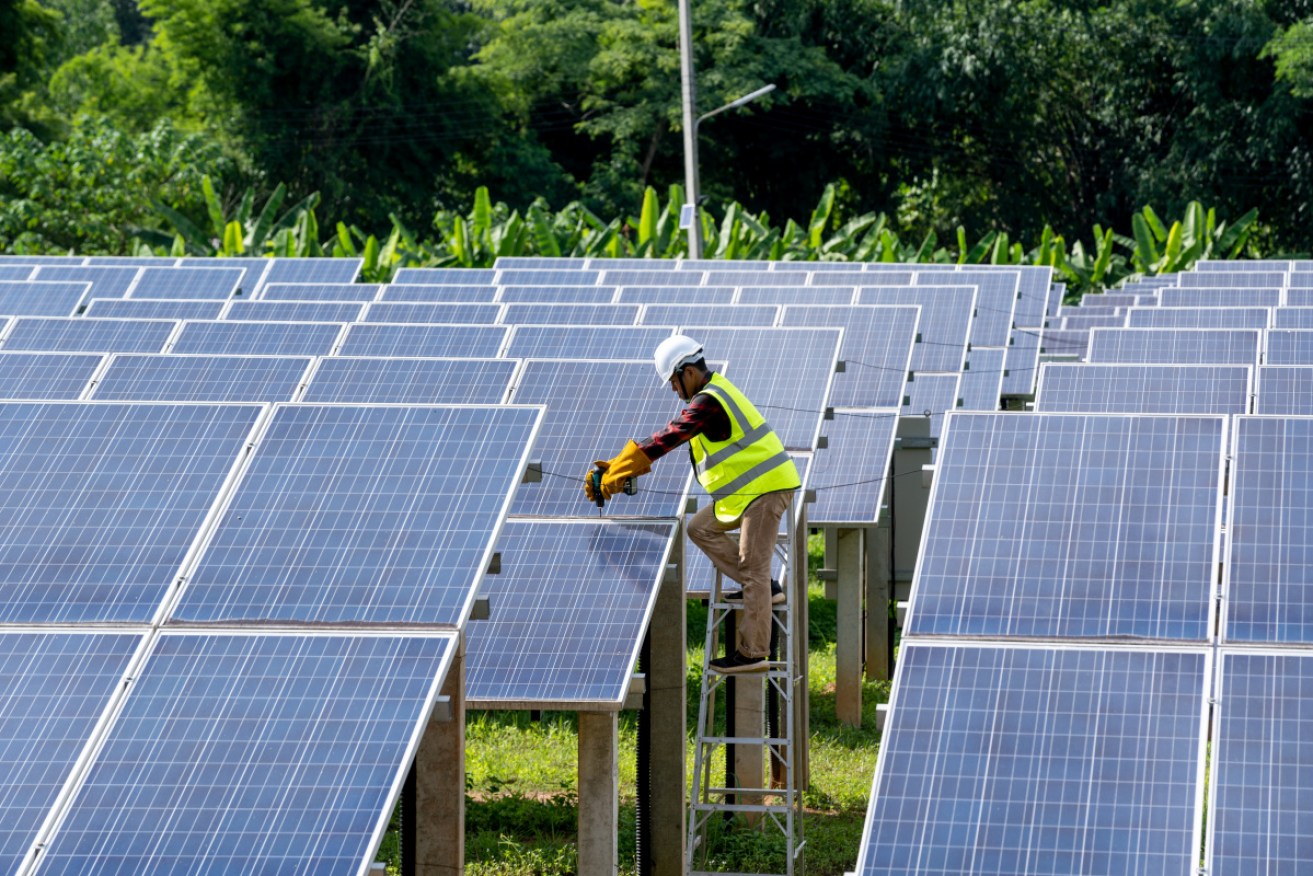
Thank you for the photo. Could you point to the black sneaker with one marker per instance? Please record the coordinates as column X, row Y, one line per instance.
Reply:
column 776, row 594
column 737, row 662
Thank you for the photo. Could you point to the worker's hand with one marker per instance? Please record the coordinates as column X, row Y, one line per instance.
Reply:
column 588, row 478
column 631, row 463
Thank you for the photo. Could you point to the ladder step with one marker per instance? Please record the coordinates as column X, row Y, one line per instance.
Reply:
column 742, row 807
column 722, row 873
column 745, row 740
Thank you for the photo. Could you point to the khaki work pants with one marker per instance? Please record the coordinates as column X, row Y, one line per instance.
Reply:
column 747, row 561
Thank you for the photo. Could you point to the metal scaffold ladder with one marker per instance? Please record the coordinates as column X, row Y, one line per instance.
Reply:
column 759, row 790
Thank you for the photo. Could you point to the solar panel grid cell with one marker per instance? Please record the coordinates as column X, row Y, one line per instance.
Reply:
column 945, row 325
column 410, row 381
column 153, row 308
column 188, row 283
column 15, row 273
column 258, row 338
column 931, row 395
column 83, row 335
column 454, row 313
column 996, row 301
column 876, row 349
column 442, row 293
column 201, row 378
column 360, row 292
column 558, row 294
column 431, row 276
column 653, row 278
column 1221, row 297
column 1289, row 347
column 574, row 314
column 1145, row 389
column 549, row 277
column 46, row 375
column 713, row 314
column 849, row 475
column 106, row 282
column 1284, row 389
column 313, row 270
column 1198, row 317
column 981, row 384
column 1234, row 279
column 590, row 342
column 294, row 311
column 709, row 295
column 1175, row 346
column 41, row 299
column 1021, row 362
column 797, row 295
column 386, row 339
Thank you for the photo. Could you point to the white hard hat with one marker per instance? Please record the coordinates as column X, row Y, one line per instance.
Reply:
column 674, row 352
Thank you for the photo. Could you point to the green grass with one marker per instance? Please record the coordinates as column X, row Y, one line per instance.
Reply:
column 521, row 807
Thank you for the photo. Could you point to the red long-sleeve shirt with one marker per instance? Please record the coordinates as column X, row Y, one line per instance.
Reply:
column 702, row 415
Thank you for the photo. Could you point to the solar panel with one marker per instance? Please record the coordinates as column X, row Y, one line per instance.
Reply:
column 1073, row 526
column 410, row 381
column 594, row 342
column 980, row 387
column 370, row 514
column 448, row 293
column 1198, row 317
column 56, row 686
column 1269, row 572
column 549, row 277
column 133, row 261
column 850, row 475
column 255, row 266
column 584, row 422
column 13, row 273
column 703, row 265
column 189, row 283
column 572, row 314
column 652, row 278
column 876, row 349
column 714, row 314
column 570, row 607
column 385, row 339
column 854, row 276
column 1021, row 362
column 931, row 395
column 1109, row 299
column 1175, row 346
column 103, row 502
column 560, row 294
column 758, row 277
column 79, row 334
column 254, row 753
column 1284, row 389
column 1028, row 760
column 106, row 282
column 996, row 301
column 1065, row 342
column 10, row 259
column 1234, row 279
column 797, row 295
column 313, row 270
column 1262, row 765
column 1115, row 317
column 201, row 378
column 360, row 292
column 813, row 267
column 455, row 313
column 699, row 295
column 786, row 372
column 1289, row 347
column 430, row 276
column 153, row 308
column 294, row 311
column 945, row 326
column 1144, row 389
column 46, row 375
column 258, row 338
column 1235, row 265
column 543, row 262
column 1299, row 297
column 1220, row 297
column 637, row 264
column 41, row 299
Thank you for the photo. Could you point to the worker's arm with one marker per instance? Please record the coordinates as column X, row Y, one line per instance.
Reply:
column 703, row 414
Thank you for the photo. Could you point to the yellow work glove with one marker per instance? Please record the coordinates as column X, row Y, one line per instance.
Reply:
column 632, row 462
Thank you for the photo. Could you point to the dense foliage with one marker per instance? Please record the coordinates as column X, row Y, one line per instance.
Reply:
column 1000, row 116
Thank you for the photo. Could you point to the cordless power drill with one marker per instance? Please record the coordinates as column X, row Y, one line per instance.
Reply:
column 596, row 476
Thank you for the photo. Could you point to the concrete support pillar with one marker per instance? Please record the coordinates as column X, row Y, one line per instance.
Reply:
column 801, row 652
column 850, row 565
column 599, row 793
column 911, row 497
column 879, row 594
column 667, row 705
column 440, row 784
column 749, row 720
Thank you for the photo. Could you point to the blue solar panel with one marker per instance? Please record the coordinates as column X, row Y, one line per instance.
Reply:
column 1270, row 568
column 1292, row 317
column 850, row 475
column 1080, row 526
column 13, row 273
column 945, row 326
column 996, row 301
column 1237, row 265
column 56, row 686
column 583, row 423
column 981, row 385
column 712, row 314
column 1262, row 765
column 359, row 292
column 571, row 314
column 559, row 294
column 1110, row 299
column 82, row 335
column 653, row 278
column 933, row 395
column 383, row 339
column 543, row 262
column 877, row 349
column 1175, row 346
column 1300, row 293
column 255, row 267
column 258, row 338
column 466, row 313
column 560, row 276
column 106, row 282
column 103, row 501
column 410, row 381
column 153, row 308
column 1284, row 389
column 814, row 267
column 1039, row 761
column 797, row 295
column 703, row 265
column 604, row 263
column 133, row 261
column 1198, row 317
column 1112, row 317
column 1289, row 347
column 1220, row 297
column 1066, row 342
column 569, row 611
column 450, row 293
column 786, row 372
column 854, row 276
column 748, row 277
column 41, row 299
column 1144, row 389
column 294, row 311
column 1234, row 279
column 371, row 514
column 46, row 375
column 189, row 283
column 201, row 378
column 313, row 270
column 676, row 295
column 431, row 276
column 592, row 342
column 9, row 259
column 249, row 753
column 1021, row 362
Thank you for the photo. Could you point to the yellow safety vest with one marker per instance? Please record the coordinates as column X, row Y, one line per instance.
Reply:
column 752, row 461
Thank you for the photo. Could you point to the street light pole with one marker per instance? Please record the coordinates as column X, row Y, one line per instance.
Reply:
column 688, row 216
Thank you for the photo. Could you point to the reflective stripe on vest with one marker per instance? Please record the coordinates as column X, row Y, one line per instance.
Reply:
column 751, row 461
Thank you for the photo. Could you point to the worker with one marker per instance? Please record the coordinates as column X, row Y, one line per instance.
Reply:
column 742, row 464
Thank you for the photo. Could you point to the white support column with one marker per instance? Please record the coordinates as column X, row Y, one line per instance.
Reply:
column 849, row 556
column 599, row 793
column 440, row 783
column 668, row 713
